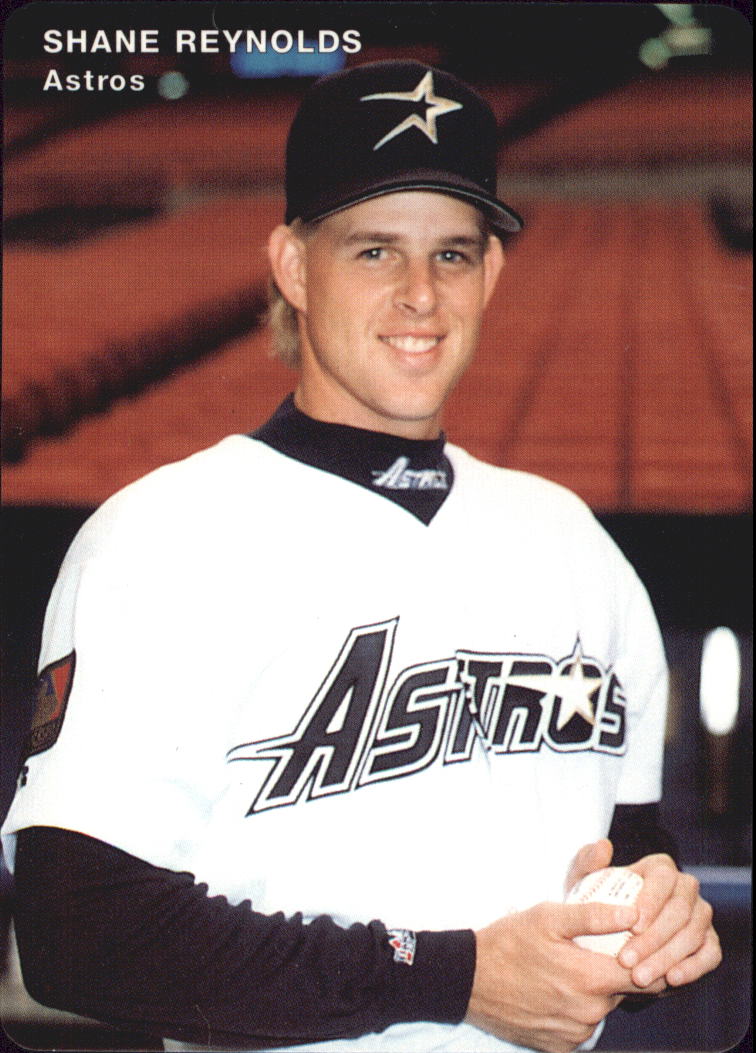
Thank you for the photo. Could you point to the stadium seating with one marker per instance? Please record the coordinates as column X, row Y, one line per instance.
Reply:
column 608, row 361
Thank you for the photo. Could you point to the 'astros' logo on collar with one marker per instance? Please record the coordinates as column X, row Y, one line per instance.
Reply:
column 436, row 106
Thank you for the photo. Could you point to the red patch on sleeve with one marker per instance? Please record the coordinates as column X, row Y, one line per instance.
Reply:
column 53, row 691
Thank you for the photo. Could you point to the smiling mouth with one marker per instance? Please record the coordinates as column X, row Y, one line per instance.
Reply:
column 412, row 345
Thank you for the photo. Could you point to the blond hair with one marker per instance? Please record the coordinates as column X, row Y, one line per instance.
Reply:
column 284, row 327
column 282, row 317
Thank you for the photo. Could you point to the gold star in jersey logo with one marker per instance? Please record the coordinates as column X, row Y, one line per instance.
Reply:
column 571, row 686
column 436, row 107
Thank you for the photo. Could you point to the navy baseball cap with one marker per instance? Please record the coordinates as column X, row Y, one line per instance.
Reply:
column 388, row 126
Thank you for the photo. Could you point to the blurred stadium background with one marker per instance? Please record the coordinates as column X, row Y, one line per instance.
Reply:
column 616, row 359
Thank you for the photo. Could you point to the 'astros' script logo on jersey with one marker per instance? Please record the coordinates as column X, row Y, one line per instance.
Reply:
column 357, row 730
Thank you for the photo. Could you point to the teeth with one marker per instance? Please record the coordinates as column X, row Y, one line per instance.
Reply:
column 412, row 344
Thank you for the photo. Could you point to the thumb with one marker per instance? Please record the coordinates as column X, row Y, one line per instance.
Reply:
column 594, row 919
column 591, row 857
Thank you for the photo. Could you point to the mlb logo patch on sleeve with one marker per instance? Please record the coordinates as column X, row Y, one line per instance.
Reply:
column 404, row 944
column 53, row 690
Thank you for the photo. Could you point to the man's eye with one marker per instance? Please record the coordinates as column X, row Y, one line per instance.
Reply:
column 375, row 253
column 452, row 256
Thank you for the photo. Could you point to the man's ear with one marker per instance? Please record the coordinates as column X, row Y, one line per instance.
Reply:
column 493, row 261
column 286, row 253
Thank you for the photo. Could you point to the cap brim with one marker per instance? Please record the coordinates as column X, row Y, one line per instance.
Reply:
column 499, row 215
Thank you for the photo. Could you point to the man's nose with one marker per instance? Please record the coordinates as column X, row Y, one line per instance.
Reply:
column 416, row 290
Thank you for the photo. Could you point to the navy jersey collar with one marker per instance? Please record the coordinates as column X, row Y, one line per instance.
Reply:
column 413, row 473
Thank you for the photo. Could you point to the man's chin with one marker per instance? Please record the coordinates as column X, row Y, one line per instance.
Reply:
column 421, row 421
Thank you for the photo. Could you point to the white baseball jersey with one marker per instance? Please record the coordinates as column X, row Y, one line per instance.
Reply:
column 296, row 690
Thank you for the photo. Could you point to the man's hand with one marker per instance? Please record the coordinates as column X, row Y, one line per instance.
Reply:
column 535, row 987
column 674, row 940
column 673, row 937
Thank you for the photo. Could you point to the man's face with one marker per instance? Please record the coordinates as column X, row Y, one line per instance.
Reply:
column 390, row 295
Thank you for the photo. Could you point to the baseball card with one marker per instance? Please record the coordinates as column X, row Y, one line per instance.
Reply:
column 377, row 499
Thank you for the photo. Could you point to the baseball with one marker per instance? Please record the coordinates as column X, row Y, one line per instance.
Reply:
column 618, row 885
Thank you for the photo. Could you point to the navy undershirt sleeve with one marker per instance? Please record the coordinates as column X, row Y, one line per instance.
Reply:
column 107, row 935
column 637, row 831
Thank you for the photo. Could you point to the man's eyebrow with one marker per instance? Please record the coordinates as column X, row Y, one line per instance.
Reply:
column 362, row 236
column 359, row 236
column 464, row 239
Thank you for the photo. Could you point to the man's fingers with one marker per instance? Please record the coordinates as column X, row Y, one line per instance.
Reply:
column 696, row 965
column 594, row 919
column 685, row 941
column 676, row 915
column 658, row 987
column 687, row 967
column 594, row 856
column 660, row 876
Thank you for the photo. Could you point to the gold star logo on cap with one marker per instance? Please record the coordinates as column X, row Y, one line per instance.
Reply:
column 436, row 107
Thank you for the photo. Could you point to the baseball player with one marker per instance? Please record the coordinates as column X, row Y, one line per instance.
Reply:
column 329, row 716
